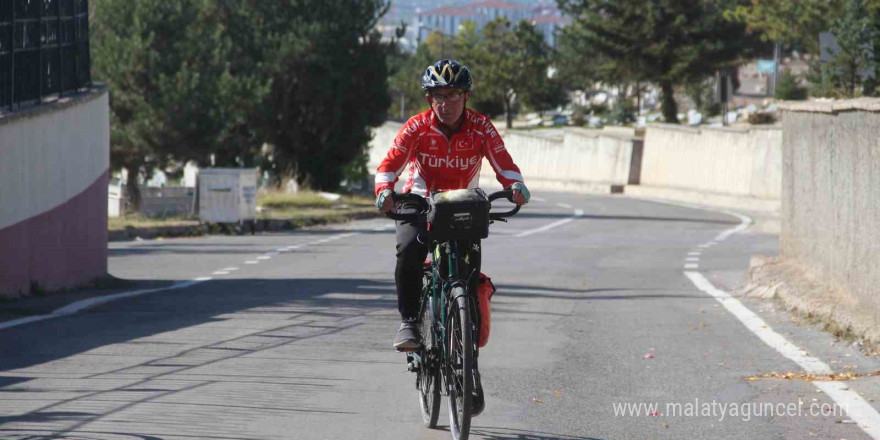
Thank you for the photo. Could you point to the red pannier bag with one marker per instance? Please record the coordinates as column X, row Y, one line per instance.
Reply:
column 485, row 290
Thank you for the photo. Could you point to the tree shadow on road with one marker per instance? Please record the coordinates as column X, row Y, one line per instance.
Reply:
column 274, row 314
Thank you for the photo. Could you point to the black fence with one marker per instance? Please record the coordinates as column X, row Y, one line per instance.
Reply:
column 44, row 49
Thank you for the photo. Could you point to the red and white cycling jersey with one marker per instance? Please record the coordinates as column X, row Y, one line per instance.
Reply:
column 437, row 164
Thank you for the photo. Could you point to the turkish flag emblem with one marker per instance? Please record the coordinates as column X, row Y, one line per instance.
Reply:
column 463, row 145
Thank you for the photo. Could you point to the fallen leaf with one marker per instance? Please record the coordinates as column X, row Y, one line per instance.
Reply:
column 537, row 400
column 753, row 378
column 558, row 393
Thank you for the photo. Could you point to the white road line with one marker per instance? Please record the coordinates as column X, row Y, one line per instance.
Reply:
column 264, row 257
column 857, row 408
column 564, row 205
column 577, row 214
column 692, row 259
column 230, row 269
column 745, row 222
column 251, row 262
column 694, row 253
column 691, row 266
column 220, row 272
column 81, row 305
column 538, row 199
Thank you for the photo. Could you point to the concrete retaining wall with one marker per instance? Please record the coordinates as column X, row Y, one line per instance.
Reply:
column 831, row 200
column 726, row 161
column 54, row 171
column 570, row 159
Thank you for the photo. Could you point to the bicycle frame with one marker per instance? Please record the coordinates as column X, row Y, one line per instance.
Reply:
column 432, row 292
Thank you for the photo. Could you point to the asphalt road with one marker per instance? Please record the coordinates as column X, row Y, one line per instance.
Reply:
column 291, row 339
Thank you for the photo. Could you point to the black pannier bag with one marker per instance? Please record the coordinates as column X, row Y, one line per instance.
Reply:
column 461, row 214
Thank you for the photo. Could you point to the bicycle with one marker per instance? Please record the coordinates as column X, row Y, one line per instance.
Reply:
column 448, row 318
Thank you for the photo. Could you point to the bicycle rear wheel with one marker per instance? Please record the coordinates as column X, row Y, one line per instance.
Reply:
column 429, row 371
column 460, row 365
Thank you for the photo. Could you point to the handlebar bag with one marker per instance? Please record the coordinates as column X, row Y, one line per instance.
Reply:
column 461, row 214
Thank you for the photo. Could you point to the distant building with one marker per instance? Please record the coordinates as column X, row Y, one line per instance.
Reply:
column 448, row 20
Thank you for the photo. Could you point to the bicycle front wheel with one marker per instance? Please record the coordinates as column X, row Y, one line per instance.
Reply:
column 429, row 371
column 460, row 364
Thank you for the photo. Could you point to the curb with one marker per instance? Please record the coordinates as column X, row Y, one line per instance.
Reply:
column 260, row 225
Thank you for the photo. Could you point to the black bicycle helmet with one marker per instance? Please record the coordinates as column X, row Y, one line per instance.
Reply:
column 447, row 73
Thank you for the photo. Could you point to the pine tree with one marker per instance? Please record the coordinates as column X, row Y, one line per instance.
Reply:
column 668, row 42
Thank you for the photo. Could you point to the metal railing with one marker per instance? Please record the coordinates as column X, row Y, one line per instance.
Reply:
column 44, row 49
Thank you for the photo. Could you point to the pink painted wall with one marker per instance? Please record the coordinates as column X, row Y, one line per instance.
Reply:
column 61, row 248
column 54, row 171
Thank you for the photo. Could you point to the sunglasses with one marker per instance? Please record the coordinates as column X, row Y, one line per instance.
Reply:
column 451, row 97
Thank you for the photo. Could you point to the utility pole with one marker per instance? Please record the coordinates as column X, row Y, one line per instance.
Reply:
column 776, row 49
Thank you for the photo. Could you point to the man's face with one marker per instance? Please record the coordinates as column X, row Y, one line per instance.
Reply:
column 448, row 104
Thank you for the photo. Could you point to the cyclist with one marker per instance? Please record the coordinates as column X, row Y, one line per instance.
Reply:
column 442, row 149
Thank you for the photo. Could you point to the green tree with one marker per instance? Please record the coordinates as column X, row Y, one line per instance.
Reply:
column 794, row 22
column 329, row 83
column 856, row 34
column 513, row 64
column 173, row 96
column 788, row 88
column 667, row 42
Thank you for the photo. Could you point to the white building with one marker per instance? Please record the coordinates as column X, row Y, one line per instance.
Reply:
column 447, row 20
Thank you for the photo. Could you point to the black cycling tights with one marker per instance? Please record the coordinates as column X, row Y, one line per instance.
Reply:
column 410, row 262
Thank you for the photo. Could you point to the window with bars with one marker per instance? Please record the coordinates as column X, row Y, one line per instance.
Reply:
column 44, row 49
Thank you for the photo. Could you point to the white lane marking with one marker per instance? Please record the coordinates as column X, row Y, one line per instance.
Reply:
column 282, row 249
column 81, row 305
column 23, row 321
column 577, row 214
column 564, row 205
column 691, row 266
column 705, row 246
column 694, row 253
column 745, row 222
column 692, row 259
column 758, row 326
column 92, row 302
column 538, row 199
column 271, row 254
column 857, row 408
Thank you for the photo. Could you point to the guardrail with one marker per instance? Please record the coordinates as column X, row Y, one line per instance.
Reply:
column 44, row 49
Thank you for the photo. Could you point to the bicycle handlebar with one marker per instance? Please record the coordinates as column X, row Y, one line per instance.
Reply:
column 408, row 197
column 506, row 194
column 423, row 206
